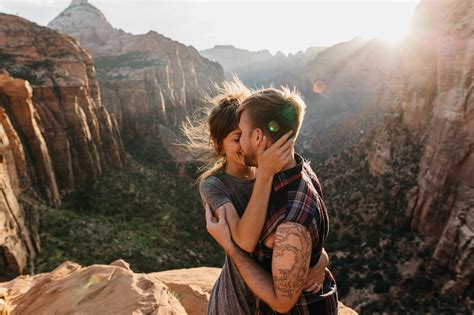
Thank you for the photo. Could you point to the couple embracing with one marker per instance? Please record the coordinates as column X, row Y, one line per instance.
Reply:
column 263, row 205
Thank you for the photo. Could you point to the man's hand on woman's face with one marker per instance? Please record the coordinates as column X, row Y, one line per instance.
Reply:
column 218, row 227
column 277, row 156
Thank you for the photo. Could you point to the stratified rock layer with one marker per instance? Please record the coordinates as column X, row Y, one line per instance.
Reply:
column 80, row 135
column 17, row 247
column 56, row 135
column 431, row 96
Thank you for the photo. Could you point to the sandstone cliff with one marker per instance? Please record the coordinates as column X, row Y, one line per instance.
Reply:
column 56, row 135
column 17, row 246
column 431, row 97
column 112, row 289
column 62, row 111
column 146, row 80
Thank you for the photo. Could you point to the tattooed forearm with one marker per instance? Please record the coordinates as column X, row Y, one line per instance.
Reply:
column 291, row 255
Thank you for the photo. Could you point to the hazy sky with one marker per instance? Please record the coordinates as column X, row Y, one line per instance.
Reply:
column 273, row 25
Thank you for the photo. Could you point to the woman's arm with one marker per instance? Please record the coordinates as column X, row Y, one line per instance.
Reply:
column 246, row 230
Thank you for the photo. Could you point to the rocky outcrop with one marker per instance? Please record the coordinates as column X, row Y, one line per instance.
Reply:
column 112, row 289
column 96, row 289
column 56, row 135
column 63, row 105
column 146, row 80
column 431, row 97
column 193, row 286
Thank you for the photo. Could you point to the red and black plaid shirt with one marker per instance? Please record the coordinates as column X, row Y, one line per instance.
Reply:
column 297, row 197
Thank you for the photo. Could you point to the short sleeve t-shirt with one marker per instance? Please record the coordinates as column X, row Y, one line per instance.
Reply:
column 230, row 294
column 222, row 188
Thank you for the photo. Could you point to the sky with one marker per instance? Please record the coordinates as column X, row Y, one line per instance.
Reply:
column 254, row 25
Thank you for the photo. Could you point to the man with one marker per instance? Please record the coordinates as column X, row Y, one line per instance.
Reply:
column 297, row 222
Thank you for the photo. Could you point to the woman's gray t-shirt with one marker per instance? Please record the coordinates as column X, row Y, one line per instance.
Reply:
column 230, row 294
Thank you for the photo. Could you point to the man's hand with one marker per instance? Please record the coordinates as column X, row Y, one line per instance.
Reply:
column 316, row 274
column 273, row 159
column 218, row 228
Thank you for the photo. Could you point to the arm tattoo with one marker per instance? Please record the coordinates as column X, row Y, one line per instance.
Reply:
column 293, row 249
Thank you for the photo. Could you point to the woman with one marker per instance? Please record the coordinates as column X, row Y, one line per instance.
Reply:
column 243, row 191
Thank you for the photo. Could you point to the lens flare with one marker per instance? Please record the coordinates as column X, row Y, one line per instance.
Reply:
column 289, row 113
column 273, row 126
column 319, row 87
column 93, row 280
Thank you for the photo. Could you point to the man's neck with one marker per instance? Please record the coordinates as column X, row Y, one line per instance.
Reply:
column 292, row 163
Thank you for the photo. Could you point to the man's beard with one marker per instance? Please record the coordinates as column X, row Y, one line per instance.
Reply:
column 251, row 159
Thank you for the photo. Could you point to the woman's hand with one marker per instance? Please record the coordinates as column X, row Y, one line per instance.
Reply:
column 218, row 228
column 315, row 278
column 277, row 156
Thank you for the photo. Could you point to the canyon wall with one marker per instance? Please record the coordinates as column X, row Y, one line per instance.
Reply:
column 56, row 135
column 430, row 95
column 146, row 80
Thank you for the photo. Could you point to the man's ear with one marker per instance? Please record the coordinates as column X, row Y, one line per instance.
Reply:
column 258, row 136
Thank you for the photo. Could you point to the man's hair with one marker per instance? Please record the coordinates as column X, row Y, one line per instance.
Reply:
column 204, row 135
column 275, row 111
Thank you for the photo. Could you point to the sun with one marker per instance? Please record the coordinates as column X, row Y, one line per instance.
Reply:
column 389, row 21
column 393, row 35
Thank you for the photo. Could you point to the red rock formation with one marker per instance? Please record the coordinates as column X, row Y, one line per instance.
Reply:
column 432, row 98
column 17, row 248
column 146, row 80
column 112, row 289
column 68, row 135
column 19, row 118
column 56, row 135
column 96, row 289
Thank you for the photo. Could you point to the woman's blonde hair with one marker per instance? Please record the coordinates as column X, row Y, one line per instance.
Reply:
column 205, row 132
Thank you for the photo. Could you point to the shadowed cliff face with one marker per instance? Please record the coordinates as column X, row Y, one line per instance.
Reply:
column 146, row 80
column 432, row 99
column 56, row 135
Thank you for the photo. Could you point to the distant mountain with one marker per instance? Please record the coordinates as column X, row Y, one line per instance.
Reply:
column 342, row 87
column 340, row 84
column 232, row 58
column 259, row 67
column 146, row 80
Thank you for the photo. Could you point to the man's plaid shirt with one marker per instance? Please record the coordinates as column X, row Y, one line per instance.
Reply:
column 297, row 197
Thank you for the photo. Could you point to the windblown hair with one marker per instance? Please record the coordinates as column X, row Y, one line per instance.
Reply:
column 205, row 134
column 275, row 111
